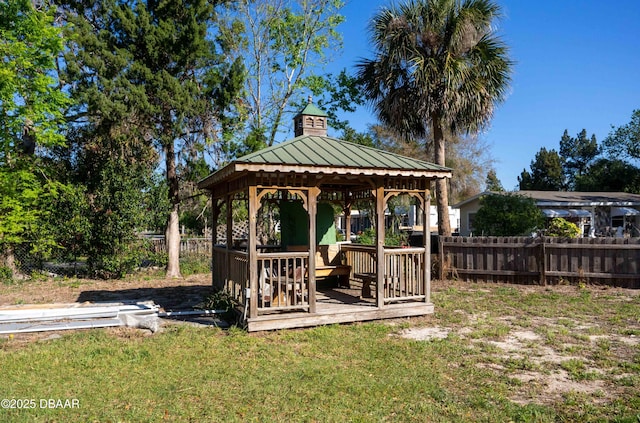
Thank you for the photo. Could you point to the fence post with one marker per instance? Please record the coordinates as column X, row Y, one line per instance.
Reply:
column 543, row 263
column 441, row 249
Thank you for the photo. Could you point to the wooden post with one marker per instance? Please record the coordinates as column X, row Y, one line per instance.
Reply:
column 312, row 202
column 228, row 256
column 441, row 272
column 543, row 263
column 347, row 223
column 216, row 206
column 426, row 235
column 252, row 250
column 380, row 234
column 346, row 207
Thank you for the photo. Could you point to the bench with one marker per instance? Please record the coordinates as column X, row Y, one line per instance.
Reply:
column 328, row 263
column 341, row 271
column 367, row 279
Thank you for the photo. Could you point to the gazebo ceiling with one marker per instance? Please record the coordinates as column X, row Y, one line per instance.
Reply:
column 323, row 159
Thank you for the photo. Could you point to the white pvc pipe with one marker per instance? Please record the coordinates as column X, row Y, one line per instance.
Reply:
column 190, row 313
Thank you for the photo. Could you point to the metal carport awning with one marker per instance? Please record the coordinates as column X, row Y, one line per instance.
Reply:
column 624, row 211
column 579, row 213
column 555, row 213
column 566, row 213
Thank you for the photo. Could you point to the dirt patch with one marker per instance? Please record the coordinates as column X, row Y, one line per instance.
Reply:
column 425, row 334
column 547, row 340
column 545, row 383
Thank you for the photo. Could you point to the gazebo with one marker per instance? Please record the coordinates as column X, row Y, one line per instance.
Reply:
column 303, row 181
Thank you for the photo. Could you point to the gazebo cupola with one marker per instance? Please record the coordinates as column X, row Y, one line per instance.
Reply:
column 310, row 121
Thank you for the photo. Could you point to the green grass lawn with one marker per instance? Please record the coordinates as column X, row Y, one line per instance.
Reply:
column 505, row 353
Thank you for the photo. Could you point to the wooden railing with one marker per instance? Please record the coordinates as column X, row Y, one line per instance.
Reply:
column 404, row 270
column 219, row 267
column 361, row 258
column 611, row 261
column 404, row 274
column 283, row 281
column 230, row 272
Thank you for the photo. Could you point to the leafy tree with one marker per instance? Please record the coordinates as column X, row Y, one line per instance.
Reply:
column 439, row 68
column 525, row 180
column 117, row 215
column 624, row 141
column 31, row 114
column 68, row 221
column 386, row 138
column 362, row 138
column 469, row 156
column 507, row 214
column 195, row 214
column 335, row 94
column 492, row 183
column 609, row 175
column 110, row 174
column 31, row 102
column 149, row 72
column 281, row 42
column 546, row 172
column 156, row 202
column 576, row 154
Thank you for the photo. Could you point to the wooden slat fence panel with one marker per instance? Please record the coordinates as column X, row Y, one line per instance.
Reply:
column 504, row 259
column 612, row 261
column 188, row 246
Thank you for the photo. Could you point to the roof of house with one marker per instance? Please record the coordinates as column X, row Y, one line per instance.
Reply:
column 592, row 198
column 321, row 154
column 569, row 198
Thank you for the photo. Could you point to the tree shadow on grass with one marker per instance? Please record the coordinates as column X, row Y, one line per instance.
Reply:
column 168, row 298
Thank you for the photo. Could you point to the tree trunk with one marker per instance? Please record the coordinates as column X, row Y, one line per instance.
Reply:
column 442, row 193
column 172, row 233
column 8, row 260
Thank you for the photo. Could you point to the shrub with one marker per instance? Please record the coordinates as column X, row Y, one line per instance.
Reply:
column 368, row 237
column 193, row 264
column 507, row 215
column 121, row 259
column 562, row 228
column 6, row 275
column 220, row 300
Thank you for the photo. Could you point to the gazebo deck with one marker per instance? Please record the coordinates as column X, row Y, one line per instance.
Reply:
column 338, row 305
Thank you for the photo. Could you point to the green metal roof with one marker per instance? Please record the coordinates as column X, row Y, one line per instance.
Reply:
column 313, row 150
column 321, row 154
column 312, row 110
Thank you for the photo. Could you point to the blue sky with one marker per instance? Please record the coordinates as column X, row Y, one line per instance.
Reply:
column 577, row 66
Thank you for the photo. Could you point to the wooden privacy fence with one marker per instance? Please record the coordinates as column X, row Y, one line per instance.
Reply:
column 188, row 246
column 542, row 260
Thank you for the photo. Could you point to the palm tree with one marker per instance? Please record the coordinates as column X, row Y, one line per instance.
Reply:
column 439, row 69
